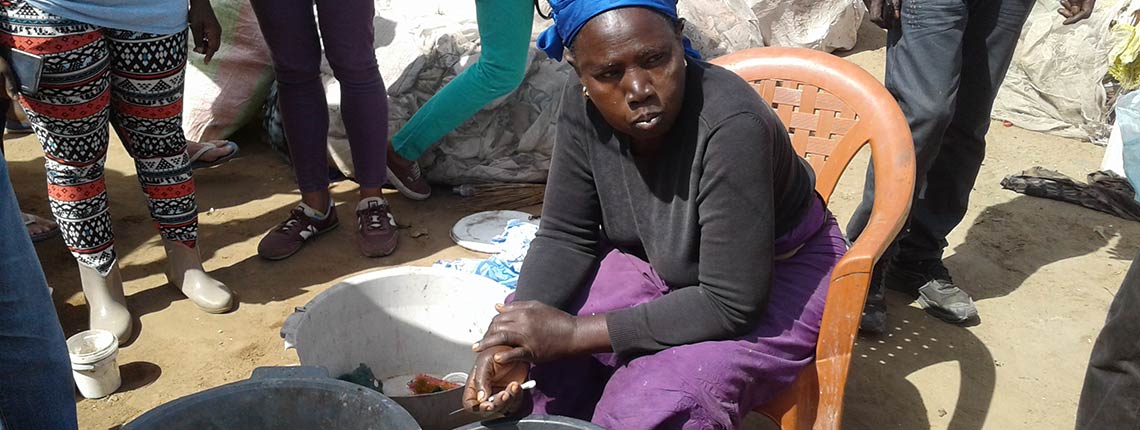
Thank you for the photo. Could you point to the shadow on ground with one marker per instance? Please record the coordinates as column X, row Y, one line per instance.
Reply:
column 1007, row 243
column 1011, row 241
column 880, row 396
column 261, row 175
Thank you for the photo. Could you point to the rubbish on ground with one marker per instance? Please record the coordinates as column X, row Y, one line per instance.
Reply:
column 1105, row 192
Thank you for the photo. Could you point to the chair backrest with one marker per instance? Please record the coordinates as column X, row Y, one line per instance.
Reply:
column 832, row 108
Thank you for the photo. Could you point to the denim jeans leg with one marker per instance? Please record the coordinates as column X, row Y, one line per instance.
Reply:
column 36, row 388
column 924, row 63
column 991, row 35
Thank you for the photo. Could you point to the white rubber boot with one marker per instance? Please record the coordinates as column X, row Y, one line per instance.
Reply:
column 184, row 270
column 106, row 302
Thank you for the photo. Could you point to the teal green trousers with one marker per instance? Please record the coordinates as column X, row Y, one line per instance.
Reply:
column 504, row 32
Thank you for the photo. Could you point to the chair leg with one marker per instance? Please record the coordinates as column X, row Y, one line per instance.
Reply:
column 796, row 407
column 791, row 420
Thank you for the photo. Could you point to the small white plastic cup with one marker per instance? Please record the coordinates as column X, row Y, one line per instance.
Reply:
column 456, row 377
column 93, row 363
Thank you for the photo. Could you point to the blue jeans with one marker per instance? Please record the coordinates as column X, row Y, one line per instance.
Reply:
column 36, row 388
column 945, row 63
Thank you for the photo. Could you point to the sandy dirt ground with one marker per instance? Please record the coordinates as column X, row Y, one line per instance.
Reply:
column 1042, row 272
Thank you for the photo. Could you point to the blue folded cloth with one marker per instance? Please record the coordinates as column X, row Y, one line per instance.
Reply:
column 503, row 267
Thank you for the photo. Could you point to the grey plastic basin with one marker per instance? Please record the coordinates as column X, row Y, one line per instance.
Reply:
column 280, row 398
column 534, row 422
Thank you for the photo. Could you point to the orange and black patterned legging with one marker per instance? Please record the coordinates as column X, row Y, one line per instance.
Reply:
column 93, row 75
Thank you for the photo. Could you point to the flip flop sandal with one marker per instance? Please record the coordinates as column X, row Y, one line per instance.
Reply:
column 195, row 163
column 30, row 219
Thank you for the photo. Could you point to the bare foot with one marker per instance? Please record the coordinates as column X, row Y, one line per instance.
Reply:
column 38, row 226
column 210, row 156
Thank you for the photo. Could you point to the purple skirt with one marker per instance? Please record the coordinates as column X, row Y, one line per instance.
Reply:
column 703, row 385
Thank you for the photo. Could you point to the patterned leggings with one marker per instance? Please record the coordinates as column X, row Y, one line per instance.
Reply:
column 92, row 75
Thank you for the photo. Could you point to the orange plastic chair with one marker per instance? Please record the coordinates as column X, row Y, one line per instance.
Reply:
column 832, row 108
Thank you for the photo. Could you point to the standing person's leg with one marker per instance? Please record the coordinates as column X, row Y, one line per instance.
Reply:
column 146, row 110
column 990, row 38
column 924, row 59
column 290, row 30
column 35, row 372
column 347, row 33
column 69, row 115
column 1110, row 399
column 504, row 34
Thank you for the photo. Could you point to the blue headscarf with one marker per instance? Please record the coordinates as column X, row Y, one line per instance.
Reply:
column 571, row 15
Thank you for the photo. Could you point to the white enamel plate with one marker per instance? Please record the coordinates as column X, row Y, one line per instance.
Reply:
column 475, row 231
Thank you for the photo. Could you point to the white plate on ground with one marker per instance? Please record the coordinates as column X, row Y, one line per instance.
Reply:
column 475, row 231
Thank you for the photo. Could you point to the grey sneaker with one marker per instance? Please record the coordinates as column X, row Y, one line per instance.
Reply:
column 947, row 302
column 936, row 292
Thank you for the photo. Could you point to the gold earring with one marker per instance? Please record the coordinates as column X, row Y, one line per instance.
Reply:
column 585, row 92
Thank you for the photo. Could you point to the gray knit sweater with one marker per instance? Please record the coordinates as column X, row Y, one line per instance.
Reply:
column 704, row 211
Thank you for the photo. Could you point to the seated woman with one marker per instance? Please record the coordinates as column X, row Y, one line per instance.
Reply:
column 680, row 273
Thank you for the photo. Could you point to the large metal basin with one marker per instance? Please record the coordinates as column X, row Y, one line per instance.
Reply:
column 399, row 321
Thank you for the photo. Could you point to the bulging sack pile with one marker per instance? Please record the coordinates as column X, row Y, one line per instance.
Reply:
column 224, row 95
column 1055, row 83
column 422, row 45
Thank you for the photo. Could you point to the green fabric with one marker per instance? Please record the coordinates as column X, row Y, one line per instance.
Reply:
column 504, row 32
column 363, row 377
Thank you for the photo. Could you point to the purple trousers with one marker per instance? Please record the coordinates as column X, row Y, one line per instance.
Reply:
column 290, row 30
column 706, row 385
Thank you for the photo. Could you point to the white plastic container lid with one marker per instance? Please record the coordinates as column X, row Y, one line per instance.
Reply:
column 92, row 346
